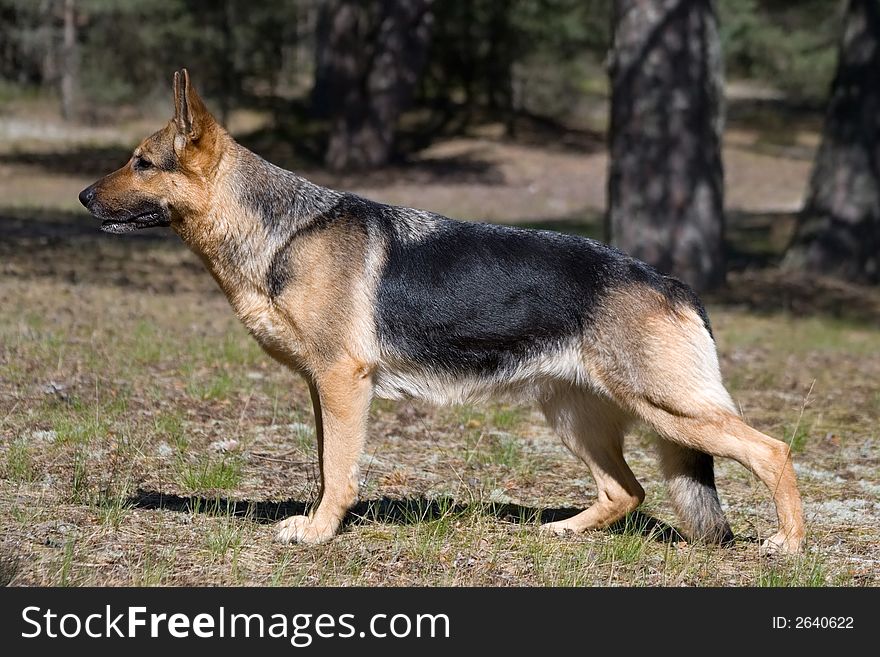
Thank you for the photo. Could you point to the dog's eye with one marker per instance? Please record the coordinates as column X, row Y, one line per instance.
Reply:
column 142, row 164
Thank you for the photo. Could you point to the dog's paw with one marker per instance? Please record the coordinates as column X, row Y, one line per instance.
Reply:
column 302, row 529
column 781, row 543
column 559, row 528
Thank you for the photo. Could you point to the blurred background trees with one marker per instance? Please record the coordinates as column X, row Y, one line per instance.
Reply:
column 368, row 59
column 361, row 84
column 501, row 56
column 839, row 228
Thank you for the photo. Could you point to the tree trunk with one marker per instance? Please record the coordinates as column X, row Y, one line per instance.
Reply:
column 368, row 62
column 70, row 63
column 838, row 233
column 500, row 63
column 665, row 184
column 49, row 60
column 228, row 82
column 333, row 19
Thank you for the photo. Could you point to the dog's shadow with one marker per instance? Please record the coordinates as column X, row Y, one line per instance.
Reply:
column 405, row 511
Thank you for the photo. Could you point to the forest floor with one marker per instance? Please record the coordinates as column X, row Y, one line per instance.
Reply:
column 146, row 439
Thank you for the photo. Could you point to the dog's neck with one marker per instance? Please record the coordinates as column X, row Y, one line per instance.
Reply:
column 256, row 210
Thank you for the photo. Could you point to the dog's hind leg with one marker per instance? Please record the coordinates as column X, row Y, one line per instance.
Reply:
column 592, row 428
column 722, row 433
column 690, row 475
column 662, row 367
column 341, row 398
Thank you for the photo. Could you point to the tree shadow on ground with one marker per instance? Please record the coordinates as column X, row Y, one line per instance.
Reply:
column 70, row 247
column 20, row 224
column 753, row 239
column 90, row 161
column 406, row 511
column 468, row 168
column 770, row 291
column 521, row 128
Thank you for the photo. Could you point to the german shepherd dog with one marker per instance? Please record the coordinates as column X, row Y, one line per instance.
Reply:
column 367, row 299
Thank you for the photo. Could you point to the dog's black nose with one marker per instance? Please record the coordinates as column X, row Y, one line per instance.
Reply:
column 87, row 195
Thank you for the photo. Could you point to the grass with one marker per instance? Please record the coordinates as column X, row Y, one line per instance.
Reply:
column 506, row 451
column 112, row 508
column 280, row 572
column 506, row 418
column 803, row 571
column 797, row 435
column 223, row 537
column 169, row 427
column 303, row 437
column 66, row 572
column 76, row 428
column 218, row 386
column 148, row 347
column 19, row 463
column 149, row 569
column 209, row 473
column 629, row 544
column 431, row 534
column 800, row 335
column 79, row 485
column 107, row 445
column 9, row 567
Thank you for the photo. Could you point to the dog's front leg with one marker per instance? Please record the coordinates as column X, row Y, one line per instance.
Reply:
column 341, row 398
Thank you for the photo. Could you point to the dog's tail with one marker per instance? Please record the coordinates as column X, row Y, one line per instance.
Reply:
column 690, row 475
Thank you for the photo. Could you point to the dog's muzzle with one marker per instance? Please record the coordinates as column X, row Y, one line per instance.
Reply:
column 146, row 216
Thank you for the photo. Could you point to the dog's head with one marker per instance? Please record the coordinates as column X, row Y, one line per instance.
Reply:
column 170, row 174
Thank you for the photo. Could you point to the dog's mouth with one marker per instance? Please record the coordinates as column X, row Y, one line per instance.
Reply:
column 136, row 222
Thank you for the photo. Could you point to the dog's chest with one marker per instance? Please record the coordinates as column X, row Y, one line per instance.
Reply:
column 271, row 329
column 268, row 325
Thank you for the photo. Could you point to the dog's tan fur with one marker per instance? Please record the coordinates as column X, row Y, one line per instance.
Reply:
column 320, row 325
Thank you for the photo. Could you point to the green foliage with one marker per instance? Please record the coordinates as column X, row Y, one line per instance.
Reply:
column 791, row 45
column 492, row 53
column 128, row 48
column 539, row 56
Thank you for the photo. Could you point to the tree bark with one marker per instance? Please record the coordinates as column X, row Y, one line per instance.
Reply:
column 665, row 188
column 333, row 20
column 838, row 232
column 70, row 63
column 369, row 58
column 228, row 82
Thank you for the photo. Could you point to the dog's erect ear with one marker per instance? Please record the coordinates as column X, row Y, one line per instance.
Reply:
column 190, row 114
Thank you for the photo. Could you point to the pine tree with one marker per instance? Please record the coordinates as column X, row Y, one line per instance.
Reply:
column 666, row 180
column 838, row 232
column 369, row 58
